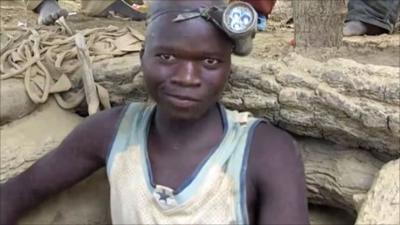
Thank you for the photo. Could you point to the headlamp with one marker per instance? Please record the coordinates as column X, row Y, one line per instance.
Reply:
column 238, row 20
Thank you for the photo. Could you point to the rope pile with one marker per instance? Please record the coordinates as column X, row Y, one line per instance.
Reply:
column 48, row 60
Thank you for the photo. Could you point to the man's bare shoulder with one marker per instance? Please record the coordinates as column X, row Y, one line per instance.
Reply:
column 276, row 173
column 107, row 118
column 95, row 134
column 271, row 141
column 273, row 150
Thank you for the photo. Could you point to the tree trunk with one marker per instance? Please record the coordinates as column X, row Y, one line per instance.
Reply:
column 318, row 23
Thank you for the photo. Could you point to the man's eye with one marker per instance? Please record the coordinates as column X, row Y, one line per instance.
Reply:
column 167, row 57
column 211, row 62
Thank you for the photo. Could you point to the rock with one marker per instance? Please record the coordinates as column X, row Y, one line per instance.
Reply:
column 41, row 131
column 336, row 175
column 340, row 100
column 28, row 139
column 322, row 215
column 85, row 203
column 15, row 102
column 382, row 204
column 119, row 76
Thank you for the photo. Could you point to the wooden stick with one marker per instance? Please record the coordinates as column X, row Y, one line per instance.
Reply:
column 89, row 85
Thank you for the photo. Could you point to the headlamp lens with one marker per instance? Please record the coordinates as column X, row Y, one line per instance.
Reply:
column 239, row 18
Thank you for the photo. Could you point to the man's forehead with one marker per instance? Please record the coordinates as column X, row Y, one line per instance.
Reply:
column 164, row 31
column 193, row 50
column 195, row 35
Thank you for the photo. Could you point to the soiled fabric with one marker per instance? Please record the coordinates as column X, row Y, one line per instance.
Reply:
column 381, row 13
column 89, row 7
column 214, row 194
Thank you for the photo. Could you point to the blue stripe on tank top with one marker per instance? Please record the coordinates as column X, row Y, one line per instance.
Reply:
column 122, row 136
column 243, row 174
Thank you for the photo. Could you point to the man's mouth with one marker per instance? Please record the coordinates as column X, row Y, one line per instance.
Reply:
column 183, row 97
column 182, row 100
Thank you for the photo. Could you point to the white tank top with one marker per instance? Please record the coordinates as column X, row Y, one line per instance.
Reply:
column 214, row 194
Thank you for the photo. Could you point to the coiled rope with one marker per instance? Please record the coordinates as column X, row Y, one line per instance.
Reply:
column 47, row 60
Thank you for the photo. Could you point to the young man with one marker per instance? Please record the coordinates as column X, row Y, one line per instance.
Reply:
column 49, row 10
column 185, row 160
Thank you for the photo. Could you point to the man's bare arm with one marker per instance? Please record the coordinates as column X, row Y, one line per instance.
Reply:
column 81, row 153
column 277, row 171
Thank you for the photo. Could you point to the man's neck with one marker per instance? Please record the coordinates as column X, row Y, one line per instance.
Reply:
column 179, row 134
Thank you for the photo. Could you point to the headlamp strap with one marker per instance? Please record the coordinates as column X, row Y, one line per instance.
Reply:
column 157, row 14
column 212, row 14
column 186, row 16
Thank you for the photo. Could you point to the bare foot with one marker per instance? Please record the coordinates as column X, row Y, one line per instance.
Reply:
column 357, row 28
column 123, row 9
column 49, row 11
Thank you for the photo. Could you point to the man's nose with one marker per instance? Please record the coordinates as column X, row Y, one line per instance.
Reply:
column 187, row 75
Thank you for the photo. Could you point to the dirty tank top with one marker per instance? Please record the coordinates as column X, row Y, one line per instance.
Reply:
column 214, row 194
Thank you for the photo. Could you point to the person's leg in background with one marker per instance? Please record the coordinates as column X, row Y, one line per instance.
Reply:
column 371, row 17
column 142, row 6
column 49, row 10
column 123, row 8
column 32, row 4
column 263, row 8
column 95, row 7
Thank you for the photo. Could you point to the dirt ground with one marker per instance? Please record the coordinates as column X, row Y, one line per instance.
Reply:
column 380, row 50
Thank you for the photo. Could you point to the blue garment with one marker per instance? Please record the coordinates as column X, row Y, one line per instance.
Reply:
column 261, row 22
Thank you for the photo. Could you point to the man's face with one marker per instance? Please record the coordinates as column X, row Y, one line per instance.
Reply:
column 185, row 66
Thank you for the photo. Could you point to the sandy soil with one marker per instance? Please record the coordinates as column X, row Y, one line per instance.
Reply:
column 380, row 50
